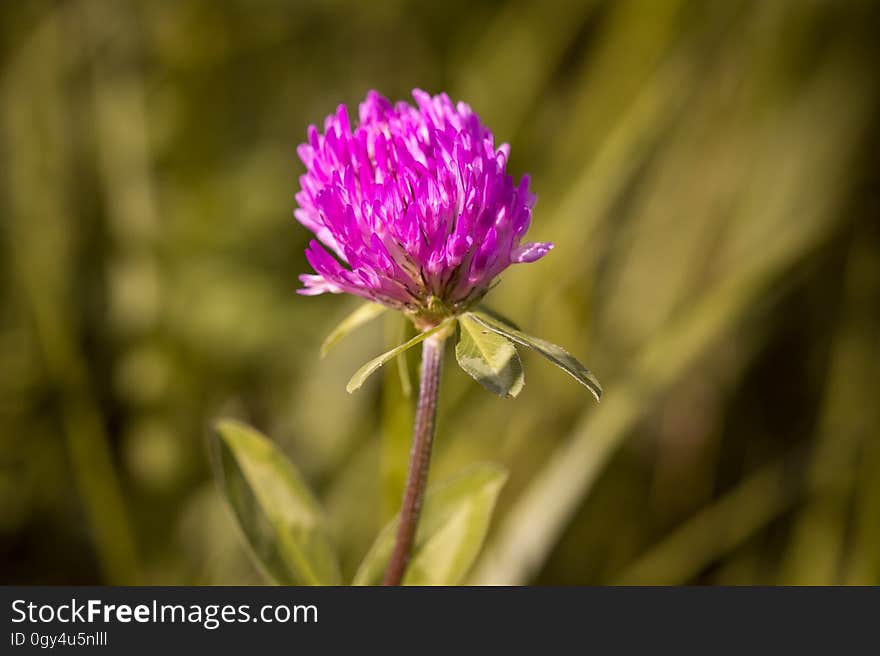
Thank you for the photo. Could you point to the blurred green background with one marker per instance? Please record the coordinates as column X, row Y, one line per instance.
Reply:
column 708, row 171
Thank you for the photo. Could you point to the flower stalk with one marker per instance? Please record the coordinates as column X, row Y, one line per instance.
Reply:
column 420, row 457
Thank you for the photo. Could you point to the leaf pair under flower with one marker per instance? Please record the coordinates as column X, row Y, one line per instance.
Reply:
column 486, row 350
column 285, row 527
column 556, row 354
column 282, row 520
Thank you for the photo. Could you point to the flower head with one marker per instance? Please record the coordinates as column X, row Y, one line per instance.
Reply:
column 416, row 205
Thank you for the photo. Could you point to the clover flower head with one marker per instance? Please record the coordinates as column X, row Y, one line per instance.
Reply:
column 413, row 208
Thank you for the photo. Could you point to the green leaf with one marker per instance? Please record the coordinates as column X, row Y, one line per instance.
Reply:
column 498, row 316
column 278, row 515
column 453, row 524
column 368, row 369
column 556, row 354
column 366, row 312
column 491, row 359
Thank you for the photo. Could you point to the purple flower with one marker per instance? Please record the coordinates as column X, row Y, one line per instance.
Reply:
column 415, row 204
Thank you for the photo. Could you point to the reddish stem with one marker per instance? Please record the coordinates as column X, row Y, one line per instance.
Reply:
column 419, row 459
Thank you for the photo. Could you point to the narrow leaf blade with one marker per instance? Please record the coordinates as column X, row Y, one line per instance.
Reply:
column 279, row 517
column 370, row 367
column 402, row 364
column 453, row 525
column 491, row 359
column 398, row 413
column 365, row 313
column 556, row 354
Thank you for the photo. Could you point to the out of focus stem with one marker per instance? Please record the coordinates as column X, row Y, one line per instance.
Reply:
column 420, row 457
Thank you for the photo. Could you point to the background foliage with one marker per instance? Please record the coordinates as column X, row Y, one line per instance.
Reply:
column 708, row 171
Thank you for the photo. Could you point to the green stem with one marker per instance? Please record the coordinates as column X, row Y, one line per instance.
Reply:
column 420, row 457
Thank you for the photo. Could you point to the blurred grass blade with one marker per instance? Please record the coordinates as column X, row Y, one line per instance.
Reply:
column 491, row 359
column 556, row 354
column 42, row 268
column 365, row 313
column 818, row 541
column 368, row 369
column 402, row 364
column 398, row 414
column 716, row 530
column 505, row 71
column 278, row 515
column 453, row 525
